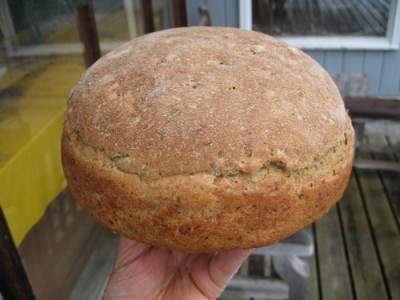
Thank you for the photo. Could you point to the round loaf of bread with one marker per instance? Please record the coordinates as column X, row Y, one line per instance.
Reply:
column 202, row 139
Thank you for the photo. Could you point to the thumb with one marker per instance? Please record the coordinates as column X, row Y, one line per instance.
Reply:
column 225, row 264
column 212, row 273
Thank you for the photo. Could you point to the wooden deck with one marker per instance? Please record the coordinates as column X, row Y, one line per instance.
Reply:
column 357, row 244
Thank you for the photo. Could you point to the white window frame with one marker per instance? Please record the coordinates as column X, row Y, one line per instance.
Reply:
column 390, row 42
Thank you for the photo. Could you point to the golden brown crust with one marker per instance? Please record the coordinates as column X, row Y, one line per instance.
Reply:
column 203, row 139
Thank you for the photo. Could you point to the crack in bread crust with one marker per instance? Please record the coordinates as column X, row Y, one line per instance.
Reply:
column 204, row 212
column 321, row 167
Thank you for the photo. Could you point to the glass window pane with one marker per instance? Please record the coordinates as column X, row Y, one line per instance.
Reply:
column 111, row 20
column 321, row 17
column 37, row 22
column 34, row 33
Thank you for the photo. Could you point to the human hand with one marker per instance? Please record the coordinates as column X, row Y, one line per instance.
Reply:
column 144, row 272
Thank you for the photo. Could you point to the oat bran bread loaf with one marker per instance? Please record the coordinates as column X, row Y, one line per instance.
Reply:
column 202, row 139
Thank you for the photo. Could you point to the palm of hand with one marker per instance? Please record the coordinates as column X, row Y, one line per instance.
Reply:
column 144, row 272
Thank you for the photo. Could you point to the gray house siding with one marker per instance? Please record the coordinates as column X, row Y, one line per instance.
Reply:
column 382, row 67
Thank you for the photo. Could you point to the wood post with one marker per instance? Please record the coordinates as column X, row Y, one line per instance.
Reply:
column 88, row 32
column 180, row 13
column 148, row 21
column 14, row 283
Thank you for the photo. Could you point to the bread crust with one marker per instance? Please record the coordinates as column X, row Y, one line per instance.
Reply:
column 167, row 146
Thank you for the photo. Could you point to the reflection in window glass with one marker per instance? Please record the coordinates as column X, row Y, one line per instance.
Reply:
column 34, row 33
column 54, row 21
column 321, row 17
column 37, row 21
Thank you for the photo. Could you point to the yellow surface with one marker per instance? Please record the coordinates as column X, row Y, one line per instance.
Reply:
column 18, row 68
column 30, row 130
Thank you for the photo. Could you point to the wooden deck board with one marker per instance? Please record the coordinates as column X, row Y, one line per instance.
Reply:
column 391, row 180
column 332, row 263
column 314, row 293
column 384, row 227
column 368, row 282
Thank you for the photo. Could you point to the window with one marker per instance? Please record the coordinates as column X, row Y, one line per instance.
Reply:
column 323, row 24
column 46, row 27
column 33, row 33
